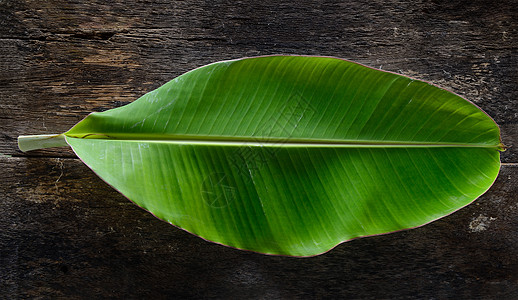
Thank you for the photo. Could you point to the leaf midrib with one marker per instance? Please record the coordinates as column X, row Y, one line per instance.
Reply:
column 273, row 141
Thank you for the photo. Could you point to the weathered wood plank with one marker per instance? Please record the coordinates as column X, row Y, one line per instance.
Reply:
column 68, row 234
column 60, row 60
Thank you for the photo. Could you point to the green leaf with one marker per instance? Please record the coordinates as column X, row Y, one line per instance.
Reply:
column 292, row 155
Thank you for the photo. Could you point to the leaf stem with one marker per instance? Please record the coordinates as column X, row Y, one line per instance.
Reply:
column 35, row 142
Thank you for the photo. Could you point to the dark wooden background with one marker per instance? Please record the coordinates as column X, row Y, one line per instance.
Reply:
column 66, row 234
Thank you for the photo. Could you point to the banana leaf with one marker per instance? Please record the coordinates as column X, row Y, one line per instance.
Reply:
column 291, row 155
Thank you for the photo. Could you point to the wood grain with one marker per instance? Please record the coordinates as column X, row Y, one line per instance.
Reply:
column 64, row 59
column 66, row 234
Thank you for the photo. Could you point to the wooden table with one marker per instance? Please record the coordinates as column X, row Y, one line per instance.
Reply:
column 66, row 234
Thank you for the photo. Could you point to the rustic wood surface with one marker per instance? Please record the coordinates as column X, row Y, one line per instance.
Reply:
column 66, row 234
